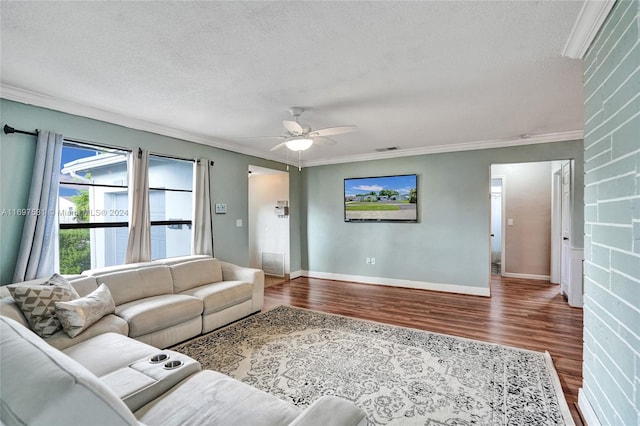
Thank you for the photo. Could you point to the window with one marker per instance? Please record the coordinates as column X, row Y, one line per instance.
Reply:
column 93, row 203
column 170, row 206
column 92, row 207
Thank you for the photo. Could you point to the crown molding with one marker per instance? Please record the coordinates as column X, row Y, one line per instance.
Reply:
column 38, row 99
column 70, row 107
column 467, row 146
column 586, row 27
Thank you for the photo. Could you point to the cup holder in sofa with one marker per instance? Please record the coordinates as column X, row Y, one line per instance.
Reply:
column 170, row 365
column 157, row 359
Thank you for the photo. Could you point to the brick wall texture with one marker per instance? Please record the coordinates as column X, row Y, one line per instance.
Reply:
column 612, row 218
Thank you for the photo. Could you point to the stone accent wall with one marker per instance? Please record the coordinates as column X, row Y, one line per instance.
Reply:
column 612, row 219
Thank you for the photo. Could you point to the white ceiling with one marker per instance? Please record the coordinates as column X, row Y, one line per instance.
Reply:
column 423, row 76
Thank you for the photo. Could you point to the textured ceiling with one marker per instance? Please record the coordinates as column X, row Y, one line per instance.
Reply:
column 408, row 74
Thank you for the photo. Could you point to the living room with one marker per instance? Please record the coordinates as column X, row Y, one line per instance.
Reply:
column 447, row 250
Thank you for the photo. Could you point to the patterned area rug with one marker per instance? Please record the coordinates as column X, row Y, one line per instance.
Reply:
column 399, row 376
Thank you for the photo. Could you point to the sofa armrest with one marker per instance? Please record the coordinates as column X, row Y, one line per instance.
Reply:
column 232, row 272
column 331, row 410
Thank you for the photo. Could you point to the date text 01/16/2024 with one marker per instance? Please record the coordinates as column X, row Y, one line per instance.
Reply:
column 72, row 213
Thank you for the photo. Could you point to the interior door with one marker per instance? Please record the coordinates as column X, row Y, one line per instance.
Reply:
column 565, row 264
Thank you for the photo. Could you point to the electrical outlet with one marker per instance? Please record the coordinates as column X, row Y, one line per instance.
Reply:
column 373, row 260
column 368, row 261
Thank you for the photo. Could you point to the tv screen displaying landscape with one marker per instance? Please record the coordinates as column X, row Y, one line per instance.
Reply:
column 381, row 199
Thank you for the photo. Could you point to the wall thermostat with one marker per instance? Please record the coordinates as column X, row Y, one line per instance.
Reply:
column 282, row 209
column 221, row 208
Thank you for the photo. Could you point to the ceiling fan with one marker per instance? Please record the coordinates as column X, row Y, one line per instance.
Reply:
column 299, row 137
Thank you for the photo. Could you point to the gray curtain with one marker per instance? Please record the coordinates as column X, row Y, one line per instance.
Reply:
column 38, row 257
column 201, row 234
column 139, row 245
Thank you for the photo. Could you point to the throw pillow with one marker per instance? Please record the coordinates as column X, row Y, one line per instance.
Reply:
column 37, row 302
column 60, row 281
column 77, row 315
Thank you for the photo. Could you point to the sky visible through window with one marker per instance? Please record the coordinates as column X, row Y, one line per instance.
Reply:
column 362, row 186
column 70, row 154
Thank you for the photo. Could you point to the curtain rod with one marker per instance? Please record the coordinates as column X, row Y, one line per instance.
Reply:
column 86, row 144
column 172, row 157
column 8, row 129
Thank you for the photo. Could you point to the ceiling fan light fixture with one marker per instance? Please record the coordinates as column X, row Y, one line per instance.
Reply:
column 300, row 144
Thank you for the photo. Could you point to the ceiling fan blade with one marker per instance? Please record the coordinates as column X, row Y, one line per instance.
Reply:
column 293, row 127
column 280, row 145
column 338, row 130
column 323, row 141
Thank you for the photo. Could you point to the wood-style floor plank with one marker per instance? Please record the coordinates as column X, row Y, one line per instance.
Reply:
column 522, row 313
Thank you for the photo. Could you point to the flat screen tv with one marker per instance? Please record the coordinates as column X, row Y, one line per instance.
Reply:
column 381, row 199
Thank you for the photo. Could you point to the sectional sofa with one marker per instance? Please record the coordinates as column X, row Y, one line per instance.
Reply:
column 163, row 302
column 114, row 371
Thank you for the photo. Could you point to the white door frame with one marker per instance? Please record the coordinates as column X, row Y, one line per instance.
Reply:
column 556, row 226
column 503, row 180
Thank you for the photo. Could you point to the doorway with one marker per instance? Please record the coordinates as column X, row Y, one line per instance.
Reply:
column 496, row 224
column 521, row 216
column 268, row 223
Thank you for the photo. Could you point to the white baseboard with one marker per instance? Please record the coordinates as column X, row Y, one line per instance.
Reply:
column 586, row 409
column 449, row 288
column 526, row 276
column 295, row 274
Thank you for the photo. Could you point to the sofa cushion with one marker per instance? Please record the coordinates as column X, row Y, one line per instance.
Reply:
column 77, row 315
column 195, row 273
column 158, row 312
column 219, row 296
column 180, row 259
column 107, row 324
column 83, row 284
column 115, row 268
column 41, row 385
column 37, row 303
column 109, row 352
column 9, row 308
column 211, row 398
column 127, row 286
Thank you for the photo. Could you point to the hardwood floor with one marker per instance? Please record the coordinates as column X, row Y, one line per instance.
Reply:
column 523, row 313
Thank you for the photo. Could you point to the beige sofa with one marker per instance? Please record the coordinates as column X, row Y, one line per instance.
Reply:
column 111, row 379
column 113, row 373
column 163, row 302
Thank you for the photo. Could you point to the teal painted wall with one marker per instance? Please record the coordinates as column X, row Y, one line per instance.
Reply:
column 450, row 244
column 229, row 176
column 454, row 206
column 611, row 368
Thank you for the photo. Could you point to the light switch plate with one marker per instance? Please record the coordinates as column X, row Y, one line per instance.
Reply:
column 221, row 208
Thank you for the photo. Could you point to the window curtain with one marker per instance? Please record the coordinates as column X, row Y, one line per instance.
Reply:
column 201, row 233
column 139, row 245
column 38, row 257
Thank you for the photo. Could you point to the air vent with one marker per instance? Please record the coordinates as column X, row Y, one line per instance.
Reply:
column 390, row 148
column 273, row 264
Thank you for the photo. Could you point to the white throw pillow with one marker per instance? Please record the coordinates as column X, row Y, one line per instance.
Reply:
column 77, row 315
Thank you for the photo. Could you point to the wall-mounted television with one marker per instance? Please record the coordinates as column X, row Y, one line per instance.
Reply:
column 381, row 199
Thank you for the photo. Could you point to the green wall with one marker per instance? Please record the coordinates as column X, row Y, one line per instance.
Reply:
column 449, row 245
column 611, row 368
column 229, row 178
